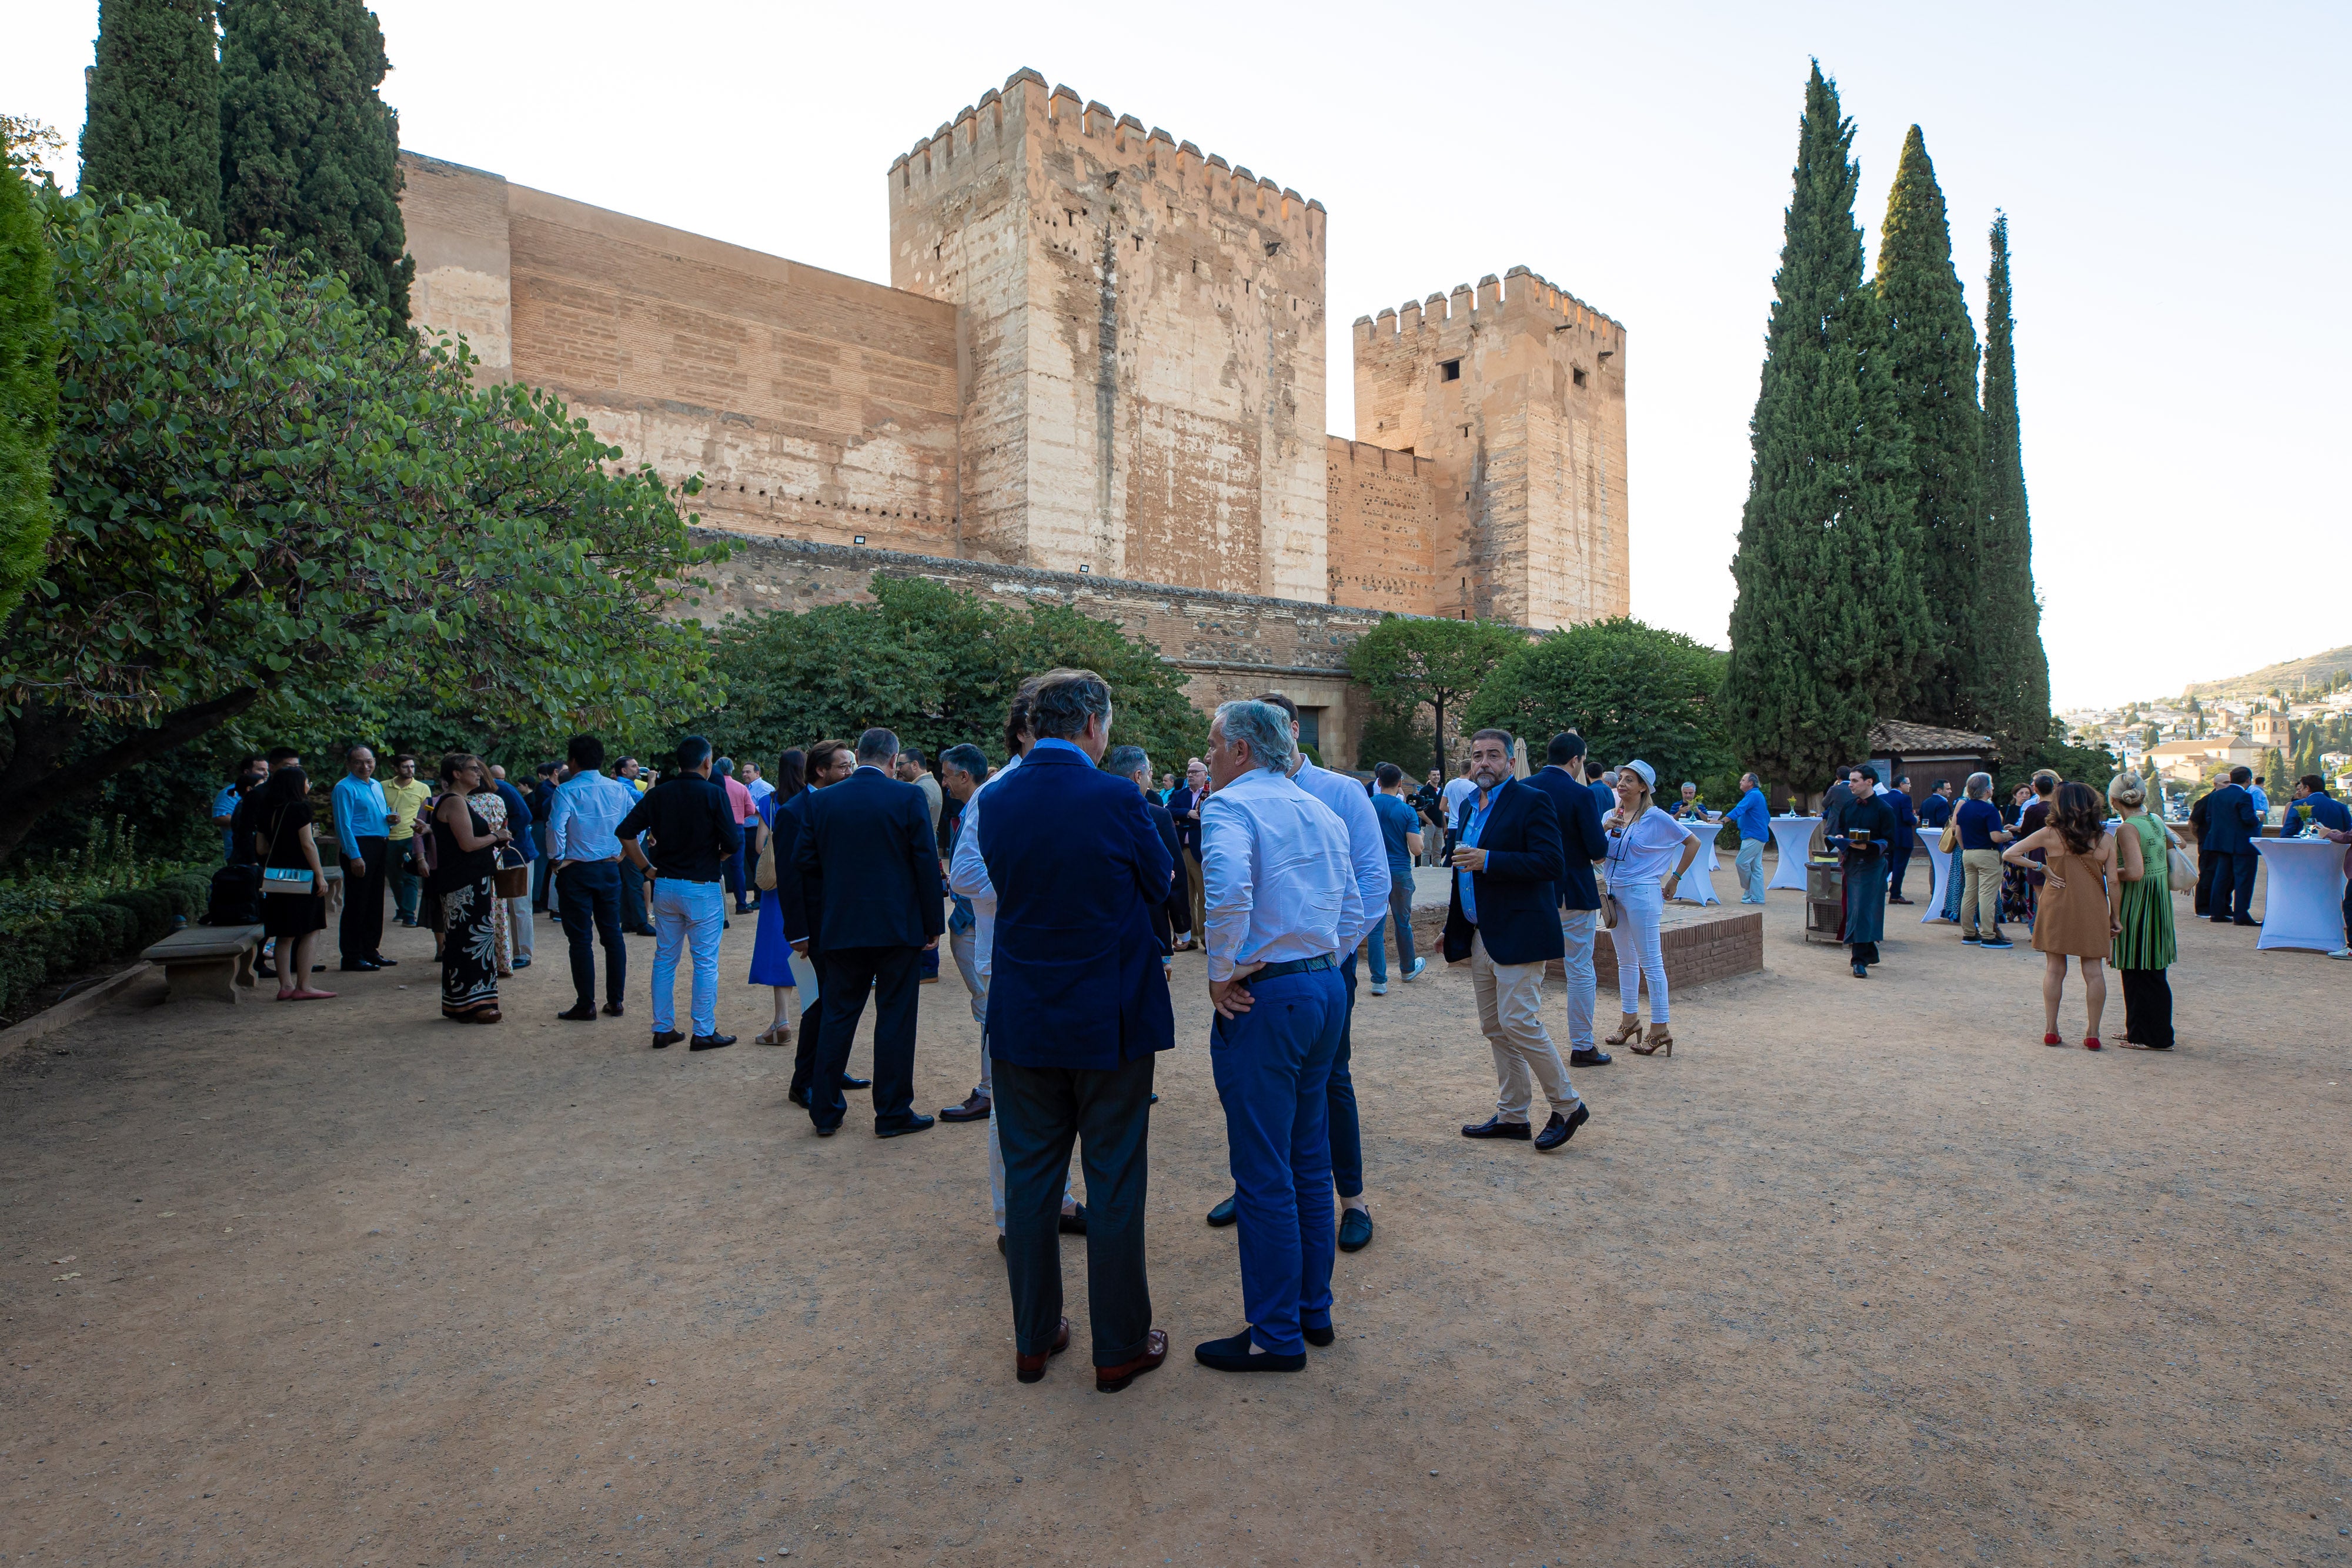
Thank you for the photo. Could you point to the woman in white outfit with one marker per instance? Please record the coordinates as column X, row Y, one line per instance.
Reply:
column 1648, row 852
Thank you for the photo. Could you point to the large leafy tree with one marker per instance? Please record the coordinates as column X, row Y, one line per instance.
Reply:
column 1829, row 622
column 1407, row 664
column 1630, row 690
column 2014, row 671
column 938, row 666
column 1932, row 359
column 273, row 515
column 154, row 109
column 307, row 149
column 28, row 385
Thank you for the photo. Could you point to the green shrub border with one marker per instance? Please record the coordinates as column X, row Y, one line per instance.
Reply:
column 112, row 930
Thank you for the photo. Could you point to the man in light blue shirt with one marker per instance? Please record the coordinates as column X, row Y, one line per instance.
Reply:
column 1754, row 821
column 1280, row 894
column 363, row 830
column 586, row 853
column 1368, row 856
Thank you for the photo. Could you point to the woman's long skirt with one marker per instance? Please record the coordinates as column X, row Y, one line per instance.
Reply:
column 470, row 948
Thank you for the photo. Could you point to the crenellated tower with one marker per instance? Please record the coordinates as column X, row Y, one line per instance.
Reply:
column 1141, row 344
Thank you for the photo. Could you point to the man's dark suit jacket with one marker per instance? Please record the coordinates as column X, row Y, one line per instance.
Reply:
column 1836, row 801
column 869, row 868
column 1078, row 867
column 790, row 826
column 1175, row 912
column 1907, row 820
column 1582, row 840
column 1517, row 895
column 2232, row 825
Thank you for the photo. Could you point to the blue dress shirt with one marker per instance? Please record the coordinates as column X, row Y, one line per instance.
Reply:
column 588, row 807
column 225, row 805
column 1278, row 882
column 1475, row 824
column 357, row 802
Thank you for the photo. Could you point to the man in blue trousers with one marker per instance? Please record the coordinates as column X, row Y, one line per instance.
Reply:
column 1279, row 894
column 1077, row 1013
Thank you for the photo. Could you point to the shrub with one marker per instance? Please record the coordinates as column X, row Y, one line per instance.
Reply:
column 151, row 913
column 118, row 927
column 22, row 972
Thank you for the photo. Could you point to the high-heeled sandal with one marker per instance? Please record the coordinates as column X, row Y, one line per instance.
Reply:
column 1659, row 1039
column 1629, row 1026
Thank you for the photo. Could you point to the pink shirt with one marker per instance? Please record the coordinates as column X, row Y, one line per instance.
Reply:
column 746, row 810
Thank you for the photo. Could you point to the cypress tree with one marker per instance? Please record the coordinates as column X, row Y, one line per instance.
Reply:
column 1827, row 627
column 154, row 126
column 1933, row 359
column 2015, row 678
column 307, row 149
column 28, row 385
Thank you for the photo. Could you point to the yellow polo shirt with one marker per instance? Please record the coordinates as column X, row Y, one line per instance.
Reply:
column 405, row 800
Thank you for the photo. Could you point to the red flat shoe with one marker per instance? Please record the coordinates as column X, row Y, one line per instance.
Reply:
column 308, row 995
column 2052, row 1040
column 2090, row 1042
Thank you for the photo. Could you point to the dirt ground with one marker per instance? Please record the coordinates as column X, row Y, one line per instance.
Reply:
column 1862, row 1274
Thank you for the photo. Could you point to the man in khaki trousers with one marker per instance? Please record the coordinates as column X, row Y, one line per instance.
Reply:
column 1504, row 921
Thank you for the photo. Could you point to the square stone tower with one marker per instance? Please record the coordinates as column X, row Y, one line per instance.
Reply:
column 1518, row 392
column 1140, row 345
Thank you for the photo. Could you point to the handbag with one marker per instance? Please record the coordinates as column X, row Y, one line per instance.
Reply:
column 765, row 877
column 1951, row 839
column 2179, row 871
column 510, row 878
column 283, row 878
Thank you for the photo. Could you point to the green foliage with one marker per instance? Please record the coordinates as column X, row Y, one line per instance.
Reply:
column 1398, row 735
column 2092, row 765
column 1408, row 663
column 1932, row 360
column 94, row 908
column 307, row 149
column 1827, row 631
column 935, row 664
column 154, row 108
column 2013, row 671
column 1630, row 690
column 271, row 513
column 28, row 385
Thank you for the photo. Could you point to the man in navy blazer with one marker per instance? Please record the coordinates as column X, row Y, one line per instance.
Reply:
column 1906, row 836
column 828, row 763
column 1582, row 841
column 1503, row 921
column 871, row 901
column 1077, row 1011
column 2227, row 857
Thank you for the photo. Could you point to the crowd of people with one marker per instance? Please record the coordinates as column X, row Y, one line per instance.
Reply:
column 1064, row 884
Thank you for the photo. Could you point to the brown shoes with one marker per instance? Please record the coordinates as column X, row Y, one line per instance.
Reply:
column 1031, row 1368
column 1659, row 1039
column 1628, row 1029
column 1111, row 1379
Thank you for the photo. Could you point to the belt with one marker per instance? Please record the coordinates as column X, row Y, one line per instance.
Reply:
column 1291, row 967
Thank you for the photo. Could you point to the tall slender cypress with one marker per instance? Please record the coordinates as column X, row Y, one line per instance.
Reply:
column 307, row 149
column 154, row 118
column 1933, row 359
column 1829, row 621
column 2015, row 674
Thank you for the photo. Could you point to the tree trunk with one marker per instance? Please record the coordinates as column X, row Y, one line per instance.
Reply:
column 37, row 779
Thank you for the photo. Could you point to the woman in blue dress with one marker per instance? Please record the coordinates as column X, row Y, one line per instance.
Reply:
column 772, row 956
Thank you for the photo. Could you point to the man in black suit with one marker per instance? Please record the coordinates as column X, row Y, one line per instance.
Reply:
column 829, row 762
column 1504, row 921
column 1906, row 836
column 1172, row 915
column 2226, row 857
column 871, row 904
column 1583, row 841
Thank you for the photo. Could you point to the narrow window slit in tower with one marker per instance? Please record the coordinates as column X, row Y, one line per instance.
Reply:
column 1449, row 370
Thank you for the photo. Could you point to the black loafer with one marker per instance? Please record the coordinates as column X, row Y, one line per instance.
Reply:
column 380, row 962
column 611, row 1009
column 1355, row 1235
column 1496, row 1127
column 1591, row 1056
column 849, row 1082
column 1237, row 1354
column 911, row 1124
column 1559, row 1129
column 666, row 1039
column 711, row 1042
column 1323, row 1336
column 1862, row 971
column 1224, row 1214
column 578, row 1014
column 1074, row 1222
column 798, row 1097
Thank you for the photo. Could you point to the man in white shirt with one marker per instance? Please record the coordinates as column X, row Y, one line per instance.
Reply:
column 1369, row 858
column 1457, row 791
column 1280, row 891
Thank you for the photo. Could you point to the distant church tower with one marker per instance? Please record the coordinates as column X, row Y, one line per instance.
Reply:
column 2269, row 728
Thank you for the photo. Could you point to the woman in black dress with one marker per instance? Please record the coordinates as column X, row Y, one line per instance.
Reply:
column 294, row 887
column 465, row 855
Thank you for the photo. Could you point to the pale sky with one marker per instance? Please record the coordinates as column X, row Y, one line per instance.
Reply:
column 2175, row 178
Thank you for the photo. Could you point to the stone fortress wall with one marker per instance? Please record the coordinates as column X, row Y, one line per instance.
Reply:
column 1102, row 357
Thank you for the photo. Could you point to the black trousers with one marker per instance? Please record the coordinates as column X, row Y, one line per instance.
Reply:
column 1899, row 862
column 1864, row 953
column 812, row 1030
column 1040, row 1112
column 590, row 895
column 2211, row 865
column 362, row 928
column 2232, row 897
column 2148, row 1008
column 844, row 977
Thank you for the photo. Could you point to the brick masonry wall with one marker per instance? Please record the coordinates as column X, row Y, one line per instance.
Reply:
column 1708, row 949
column 1384, row 529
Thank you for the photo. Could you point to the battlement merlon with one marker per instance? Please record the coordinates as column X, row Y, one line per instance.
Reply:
column 1113, row 138
column 1520, row 289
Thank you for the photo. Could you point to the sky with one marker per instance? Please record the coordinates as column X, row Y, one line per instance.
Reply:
column 2175, row 180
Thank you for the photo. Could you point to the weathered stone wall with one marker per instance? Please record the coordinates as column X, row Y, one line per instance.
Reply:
column 1528, row 435
column 456, row 220
column 1230, row 644
column 1386, row 528
column 1143, row 337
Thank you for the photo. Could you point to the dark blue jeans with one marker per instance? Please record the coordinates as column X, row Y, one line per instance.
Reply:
column 1347, row 1134
column 591, row 894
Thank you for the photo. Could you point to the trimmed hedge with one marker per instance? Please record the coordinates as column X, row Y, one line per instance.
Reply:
column 116, row 928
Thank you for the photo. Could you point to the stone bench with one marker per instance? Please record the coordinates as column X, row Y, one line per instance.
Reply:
column 212, row 963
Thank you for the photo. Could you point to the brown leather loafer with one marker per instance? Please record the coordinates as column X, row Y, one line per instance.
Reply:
column 1111, row 1379
column 1031, row 1368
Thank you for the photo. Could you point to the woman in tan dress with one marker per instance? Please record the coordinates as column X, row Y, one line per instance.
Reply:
column 2078, row 906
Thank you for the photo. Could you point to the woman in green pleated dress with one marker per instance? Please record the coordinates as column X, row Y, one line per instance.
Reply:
column 2144, row 949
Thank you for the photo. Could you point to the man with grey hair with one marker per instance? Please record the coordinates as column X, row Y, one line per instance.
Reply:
column 1173, row 914
column 1280, row 891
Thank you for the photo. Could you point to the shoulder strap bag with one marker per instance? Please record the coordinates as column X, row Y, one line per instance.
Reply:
column 765, row 877
column 282, row 879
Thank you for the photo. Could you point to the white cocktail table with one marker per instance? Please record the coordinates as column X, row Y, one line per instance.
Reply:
column 1943, row 864
column 2303, row 907
column 1698, row 886
column 1792, row 837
